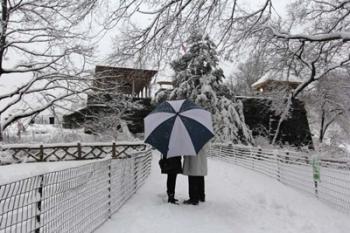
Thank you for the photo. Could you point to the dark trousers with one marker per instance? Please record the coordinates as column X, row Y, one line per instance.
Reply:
column 170, row 184
column 196, row 188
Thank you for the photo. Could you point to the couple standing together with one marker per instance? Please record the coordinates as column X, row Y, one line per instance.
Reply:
column 195, row 167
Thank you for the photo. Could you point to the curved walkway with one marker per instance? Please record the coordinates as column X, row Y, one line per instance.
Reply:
column 238, row 200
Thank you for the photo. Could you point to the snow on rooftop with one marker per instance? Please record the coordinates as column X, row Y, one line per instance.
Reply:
column 277, row 76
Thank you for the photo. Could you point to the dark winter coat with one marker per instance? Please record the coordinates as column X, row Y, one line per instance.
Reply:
column 171, row 165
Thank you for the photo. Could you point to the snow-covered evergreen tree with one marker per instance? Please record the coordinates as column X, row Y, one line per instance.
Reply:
column 199, row 78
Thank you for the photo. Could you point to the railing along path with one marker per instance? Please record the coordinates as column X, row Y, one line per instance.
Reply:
column 82, row 198
column 66, row 151
column 77, row 199
column 328, row 180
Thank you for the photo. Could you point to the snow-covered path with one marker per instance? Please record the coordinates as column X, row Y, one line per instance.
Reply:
column 238, row 200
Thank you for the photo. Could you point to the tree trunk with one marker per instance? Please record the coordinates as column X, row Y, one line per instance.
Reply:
column 4, row 20
column 283, row 117
column 320, row 139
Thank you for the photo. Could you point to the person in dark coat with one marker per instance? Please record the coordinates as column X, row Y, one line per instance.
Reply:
column 195, row 167
column 171, row 166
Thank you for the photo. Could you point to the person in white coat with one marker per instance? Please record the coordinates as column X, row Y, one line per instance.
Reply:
column 196, row 167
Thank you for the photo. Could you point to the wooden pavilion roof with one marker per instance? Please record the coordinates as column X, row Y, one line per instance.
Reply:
column 131, row 80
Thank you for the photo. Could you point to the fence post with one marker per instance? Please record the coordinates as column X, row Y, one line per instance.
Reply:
column 113, row 150
column 135, row 174
column 278, row 166
column 41, row 153
column 229, row 151
column 79, row 150
column 316, row 187
column 252, row 157
column 234, row 154
column 259, row 154
column 287, row 157
column 39, row 204
column 109, row 189
column 316, row 172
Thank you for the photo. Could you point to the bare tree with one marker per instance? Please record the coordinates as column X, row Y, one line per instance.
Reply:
column 247, row 73
column 312, row 39
column 322, row 45
column 168, row 23
column 42, row 41
column 107, row 110
column 329, row 100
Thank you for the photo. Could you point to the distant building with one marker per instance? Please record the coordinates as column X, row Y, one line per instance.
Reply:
column 129, row 81
column 46, row 119
column 135, row 83
column 275, row 82
column 260, row 111
column 165, row 85
column 50, row 116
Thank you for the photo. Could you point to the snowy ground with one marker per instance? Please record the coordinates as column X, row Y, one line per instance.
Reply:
column 238, row 200
column 14, row 172
column 45, row 133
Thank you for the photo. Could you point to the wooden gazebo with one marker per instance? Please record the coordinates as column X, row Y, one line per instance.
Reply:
column 134, row 82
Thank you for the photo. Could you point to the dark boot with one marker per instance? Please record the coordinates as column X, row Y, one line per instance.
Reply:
column 172, row 200
column 191, row 202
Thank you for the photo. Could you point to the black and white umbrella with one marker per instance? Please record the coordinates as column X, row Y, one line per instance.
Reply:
column 178, row 127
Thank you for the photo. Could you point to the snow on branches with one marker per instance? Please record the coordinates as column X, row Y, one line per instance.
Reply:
column 199, row 78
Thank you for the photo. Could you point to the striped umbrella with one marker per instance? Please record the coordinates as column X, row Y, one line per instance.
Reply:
column 178, row 127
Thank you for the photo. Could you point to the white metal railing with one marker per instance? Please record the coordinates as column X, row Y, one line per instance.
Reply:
column 294, row 169
column 77, row 199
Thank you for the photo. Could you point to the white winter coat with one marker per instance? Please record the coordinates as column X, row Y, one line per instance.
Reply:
column 197, row 165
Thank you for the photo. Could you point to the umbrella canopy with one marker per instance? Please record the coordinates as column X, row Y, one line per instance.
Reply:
column 178, row 127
